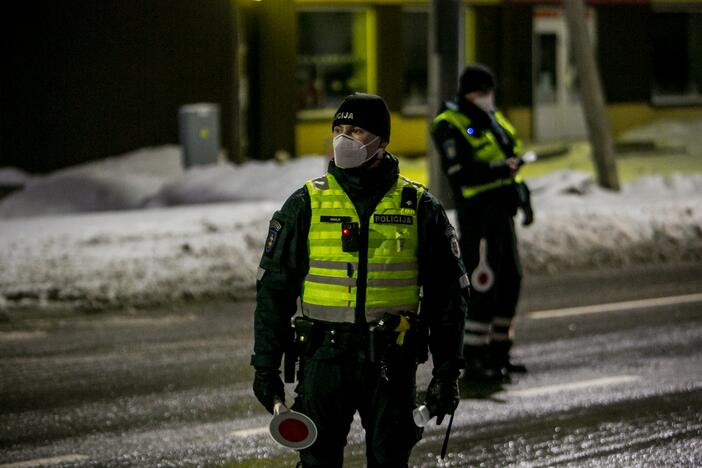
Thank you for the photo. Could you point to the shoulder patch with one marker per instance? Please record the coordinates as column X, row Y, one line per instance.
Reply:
column 273, row 229
column 450, row 149
column 409, row 197
column 321, row 183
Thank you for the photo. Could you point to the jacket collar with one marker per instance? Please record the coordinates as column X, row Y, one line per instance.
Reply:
column 366, row 183
column 477, row 116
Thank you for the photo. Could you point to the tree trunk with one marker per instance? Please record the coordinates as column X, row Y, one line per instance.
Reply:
column 593, row 97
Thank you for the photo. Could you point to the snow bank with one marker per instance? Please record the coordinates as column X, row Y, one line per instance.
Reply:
column 579, row 225
column 133, row 257
column 210, row 244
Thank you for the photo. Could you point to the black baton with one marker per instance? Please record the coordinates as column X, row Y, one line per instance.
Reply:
column 446, row 438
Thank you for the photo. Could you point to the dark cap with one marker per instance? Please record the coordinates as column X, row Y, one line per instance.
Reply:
column 476, row 77
column 367, row 111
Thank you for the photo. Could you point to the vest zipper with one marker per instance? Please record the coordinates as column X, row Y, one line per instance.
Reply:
column 349, row 273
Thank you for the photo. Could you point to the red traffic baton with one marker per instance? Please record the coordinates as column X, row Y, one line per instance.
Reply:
column 291, row 429
column 482, row 277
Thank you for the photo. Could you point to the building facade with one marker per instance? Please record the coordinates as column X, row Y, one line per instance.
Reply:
column 87, row 80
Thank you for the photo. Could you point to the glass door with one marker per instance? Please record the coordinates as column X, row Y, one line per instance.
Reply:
column 558, row 113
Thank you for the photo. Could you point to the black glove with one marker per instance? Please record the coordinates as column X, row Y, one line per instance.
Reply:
column 528, row 215
column 524, row 195
column 267, row 386
column 442, row 397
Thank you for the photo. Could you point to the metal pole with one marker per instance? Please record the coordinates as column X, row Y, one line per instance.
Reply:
column 445, row 38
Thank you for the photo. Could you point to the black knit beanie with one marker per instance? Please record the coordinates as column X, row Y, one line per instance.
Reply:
column 476, row 77
column 367, row 111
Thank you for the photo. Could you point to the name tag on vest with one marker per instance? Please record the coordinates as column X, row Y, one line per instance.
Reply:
column 334, row 219
column 392, row 219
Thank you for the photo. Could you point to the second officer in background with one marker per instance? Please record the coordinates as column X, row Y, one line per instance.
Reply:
column 480, row 152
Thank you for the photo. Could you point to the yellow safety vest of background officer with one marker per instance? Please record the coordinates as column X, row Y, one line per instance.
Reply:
column 375, row 264
column 479, row 152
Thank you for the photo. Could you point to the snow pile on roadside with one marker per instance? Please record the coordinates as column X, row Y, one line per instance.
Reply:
column 168, row 253
column 138, row 229
column 116, row 183
column 133, row 257
column 579, row 225
column 154, row 177
column 585, row 238
column 253, row 181
column 13, row 177
column 667, row 133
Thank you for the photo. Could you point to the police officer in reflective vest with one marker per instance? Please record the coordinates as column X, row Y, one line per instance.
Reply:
column 376, row 267
column 479, row 152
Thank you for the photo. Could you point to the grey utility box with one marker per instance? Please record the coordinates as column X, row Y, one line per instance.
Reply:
column 198, row 130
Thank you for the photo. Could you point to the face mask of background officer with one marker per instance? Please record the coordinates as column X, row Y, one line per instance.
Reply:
column 484, row 99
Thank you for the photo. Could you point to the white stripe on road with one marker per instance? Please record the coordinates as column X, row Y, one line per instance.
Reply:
column 548, row 389
column 616, row 306
column 46, row 461
column 22, row 335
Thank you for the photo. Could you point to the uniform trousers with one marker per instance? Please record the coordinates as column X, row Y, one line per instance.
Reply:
column 336, row 380
column 492, row 311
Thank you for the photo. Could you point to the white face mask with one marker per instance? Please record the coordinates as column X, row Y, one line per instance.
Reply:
column 350, row 153
column 485, row 102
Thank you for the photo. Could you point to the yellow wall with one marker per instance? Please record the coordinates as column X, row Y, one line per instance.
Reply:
column 408, row 136
column 622, row 117
column 313, row 137
column 520, row 117
column 360, row 2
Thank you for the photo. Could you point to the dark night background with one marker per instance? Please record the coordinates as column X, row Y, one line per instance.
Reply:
column 89, row 79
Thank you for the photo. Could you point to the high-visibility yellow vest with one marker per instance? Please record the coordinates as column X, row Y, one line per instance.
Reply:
column 330, row 288
column 485, row 146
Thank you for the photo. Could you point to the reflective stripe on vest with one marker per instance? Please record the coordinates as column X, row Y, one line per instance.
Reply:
column 472, row 190
column 330, row 289
column 485, row 147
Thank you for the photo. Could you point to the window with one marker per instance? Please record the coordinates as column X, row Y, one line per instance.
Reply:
column 677, row 58
column 546, row 68
column 415, row 24
column 332, row 58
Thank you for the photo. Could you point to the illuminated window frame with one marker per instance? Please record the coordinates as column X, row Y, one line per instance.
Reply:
column 363, row 44
column 415, row 108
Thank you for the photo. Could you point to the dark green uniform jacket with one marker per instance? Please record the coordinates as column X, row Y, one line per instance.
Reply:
column 486, row 216
column 464, row 169
column 285, row 263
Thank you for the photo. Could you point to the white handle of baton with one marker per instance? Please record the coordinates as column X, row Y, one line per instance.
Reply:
column 421, row 416
column 528, row 157
column 279, row 407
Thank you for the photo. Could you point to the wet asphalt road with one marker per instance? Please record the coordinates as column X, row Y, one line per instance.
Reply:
column 617, row 385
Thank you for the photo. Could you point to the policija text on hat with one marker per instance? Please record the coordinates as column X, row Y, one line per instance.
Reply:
column 376, row 267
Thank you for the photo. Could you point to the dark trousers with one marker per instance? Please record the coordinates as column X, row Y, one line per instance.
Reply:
column 491, row 312
column 334, row 383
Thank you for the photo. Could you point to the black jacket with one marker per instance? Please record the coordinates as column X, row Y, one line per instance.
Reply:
column 448, row 139
column 285, row 263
